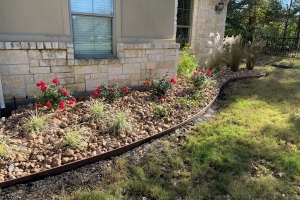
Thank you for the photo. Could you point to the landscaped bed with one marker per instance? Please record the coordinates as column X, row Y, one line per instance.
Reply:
column 74, row 133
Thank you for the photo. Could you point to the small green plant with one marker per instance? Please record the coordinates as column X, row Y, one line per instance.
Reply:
column 120, row 123
column 53, row 95
column 253, row 49
column 109, row 93
column 187, row 63
column 199, row 78
column 160, row 110
column 36, row 122
column 96, row 108
column 4, row 149
column 187, row 103
column 215, row 57
column 162, row 87
column 233, row 51
column 74, row 138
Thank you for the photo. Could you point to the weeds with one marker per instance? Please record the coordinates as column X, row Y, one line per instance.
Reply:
column 120, row 123
column 162, row 111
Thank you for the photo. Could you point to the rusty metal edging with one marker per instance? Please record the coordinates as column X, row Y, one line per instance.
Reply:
column 115, row 152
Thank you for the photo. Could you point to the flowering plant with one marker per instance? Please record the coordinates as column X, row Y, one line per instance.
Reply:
column 109, row 92
column 164, row 86
column 200, row 77
column 53, row 95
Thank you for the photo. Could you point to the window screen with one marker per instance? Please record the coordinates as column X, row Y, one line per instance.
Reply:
column 184, row 11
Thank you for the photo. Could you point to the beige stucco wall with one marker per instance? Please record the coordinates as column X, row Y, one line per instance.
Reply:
column 35, row 20
column 143, row 20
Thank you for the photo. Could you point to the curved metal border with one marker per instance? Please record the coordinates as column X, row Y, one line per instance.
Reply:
column 112, row 153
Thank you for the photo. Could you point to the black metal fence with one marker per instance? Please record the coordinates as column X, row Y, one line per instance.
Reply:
column 289, row 47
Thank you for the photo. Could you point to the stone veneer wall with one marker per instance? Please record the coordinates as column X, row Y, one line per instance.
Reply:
column 206, row 21
column 23, row 64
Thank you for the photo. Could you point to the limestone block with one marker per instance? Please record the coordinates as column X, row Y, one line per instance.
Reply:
column 115, row 71
column 24, row 45
column 78, row 87
column 61, row 69
column 156, row 57
column 133, row 53
column 32, row 45
column 2, row 45
column 8, row 45
column 34, row 55
column 162, row 72
column 70, row 50
column 85, row 69
column 99, row 76
column 171, row 52
column 40, row 45
column 44, row 77
column 48, row 45
column 16, row 45
column 79, row 78
column 53, row 54
column 155, row 51
column 64, row 75
column 45, row 63
column 136, row 60
column 134, row 83
column 31, row 90
column 171, row 58
column 123, row 77
column 14, row 69
column 29, row 79
column 67, row 81
column 113, row 78
column 62, row 45
column 121, row 83
column 131, row 68
column 92, row 84
column 165, row 64
column 135, row 77
column 70, row 56
column 151, row 65
column 58, row 62
column 34, row 63
column 71, row 62
column 70, row 45
column 13, row 82
column 93, row 61
column 81, row 62
column 87, row 76
column 17, row 93
column 103, row 68
column 39, row 70
column 13, row 57
column 54, row 45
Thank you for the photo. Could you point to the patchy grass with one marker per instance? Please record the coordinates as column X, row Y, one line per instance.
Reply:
column 278, row 60
column 250, row 150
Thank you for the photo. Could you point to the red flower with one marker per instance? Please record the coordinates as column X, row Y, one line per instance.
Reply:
column 60, row 90
column 208, row 73
column 150, row 69
column 55, row 80
column 114, row 79
column 38, row 84
column 111, row 89
column 199, row 70
column 66, row 93
column 62, row 105
column 195, row 73
column 48, row 104
column 146, row 83
column 37, row 105
column 126, row 90
column 98, row 88
column 176, row 90
column 73, row 99
column 173, row 80
column 71, row 102
column 95, row 94
column 162, row 98
column 42, row 83
column 43, row 88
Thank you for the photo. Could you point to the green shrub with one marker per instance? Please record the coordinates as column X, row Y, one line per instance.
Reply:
column 110, row 93
column 160, row 110
column 162, row 87
column 187, row 63
column 199, row 78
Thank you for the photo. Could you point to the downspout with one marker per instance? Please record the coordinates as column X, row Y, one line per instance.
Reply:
column 2, row 104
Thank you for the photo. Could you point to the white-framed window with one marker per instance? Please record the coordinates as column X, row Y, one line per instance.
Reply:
column 184, row 22
column 92, row 27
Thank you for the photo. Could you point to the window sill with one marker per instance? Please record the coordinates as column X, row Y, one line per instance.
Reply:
column 95, row 61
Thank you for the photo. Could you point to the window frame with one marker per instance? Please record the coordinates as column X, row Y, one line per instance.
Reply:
column 185, row 26
column 112, row 17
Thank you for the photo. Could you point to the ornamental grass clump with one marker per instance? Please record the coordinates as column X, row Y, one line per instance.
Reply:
column 74, row 138
column 187, row 63
column 253, row 49
column 233, row 51
column 200, row 78
column 53, row 95
column 4, row 149
column 96, row 108
column 215, row 57
column 120, row 123
column 109, row 93
column 36, row 123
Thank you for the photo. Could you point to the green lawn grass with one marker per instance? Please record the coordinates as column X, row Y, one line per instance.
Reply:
column 250, row 150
